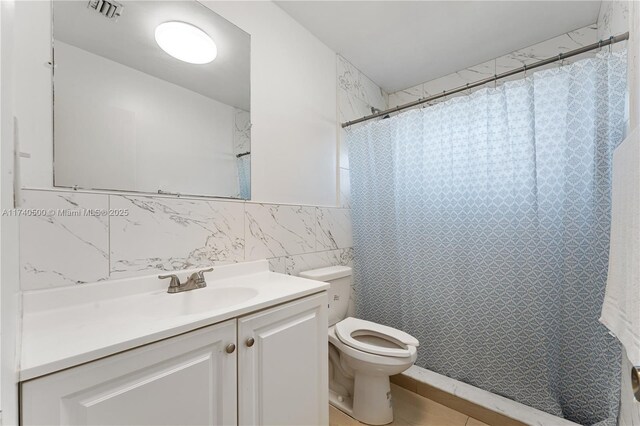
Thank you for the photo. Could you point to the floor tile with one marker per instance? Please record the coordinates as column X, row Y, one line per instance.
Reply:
column 463, row 406
column 417, row 410
column 474, row 422
column 338, row 418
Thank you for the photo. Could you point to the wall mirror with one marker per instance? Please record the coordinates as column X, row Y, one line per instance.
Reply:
column 150, row 96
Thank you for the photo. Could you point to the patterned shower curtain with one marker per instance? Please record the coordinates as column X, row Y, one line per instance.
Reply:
column 481, row 227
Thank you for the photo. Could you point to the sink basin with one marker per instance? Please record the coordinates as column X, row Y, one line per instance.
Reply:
column 200, row 300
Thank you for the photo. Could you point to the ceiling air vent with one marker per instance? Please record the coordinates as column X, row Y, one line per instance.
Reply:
column 108, row 9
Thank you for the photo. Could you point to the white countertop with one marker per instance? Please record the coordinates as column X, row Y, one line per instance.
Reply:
column 68, row 326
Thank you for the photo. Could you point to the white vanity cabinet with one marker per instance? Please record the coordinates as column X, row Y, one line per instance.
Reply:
column 186, row 380
column 192, row 379
column 283, row 376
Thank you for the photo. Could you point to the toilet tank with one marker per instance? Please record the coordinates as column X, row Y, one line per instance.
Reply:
column 339, row 279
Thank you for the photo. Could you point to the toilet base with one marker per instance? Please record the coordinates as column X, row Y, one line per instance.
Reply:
column 372, row 403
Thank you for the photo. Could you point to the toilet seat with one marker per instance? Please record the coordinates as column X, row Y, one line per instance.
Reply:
column 378, row 360
column 348, row 329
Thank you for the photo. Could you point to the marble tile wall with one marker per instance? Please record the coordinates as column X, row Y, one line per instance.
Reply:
column 613, row 20
column 517, row 59
column 276, row 230
column 61, row 249
column 357, row 92
column 163, row 234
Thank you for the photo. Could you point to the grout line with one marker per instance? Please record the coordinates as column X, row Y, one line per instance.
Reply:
column 315, row 228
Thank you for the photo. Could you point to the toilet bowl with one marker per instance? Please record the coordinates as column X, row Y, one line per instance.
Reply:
column 362, row 354
column 370, row 357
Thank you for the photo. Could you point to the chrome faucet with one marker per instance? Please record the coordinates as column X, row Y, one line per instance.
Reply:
column 195, row 280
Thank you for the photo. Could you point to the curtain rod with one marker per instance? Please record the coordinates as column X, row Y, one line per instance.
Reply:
column 611, row 40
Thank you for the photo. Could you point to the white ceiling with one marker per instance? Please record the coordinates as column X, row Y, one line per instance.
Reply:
column 399, row 44
column 131, row 41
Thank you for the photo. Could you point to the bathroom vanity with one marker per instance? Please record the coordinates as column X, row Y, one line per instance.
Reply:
column 249, row 349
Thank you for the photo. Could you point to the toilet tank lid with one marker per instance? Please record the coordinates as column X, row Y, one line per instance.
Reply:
column 327, row 274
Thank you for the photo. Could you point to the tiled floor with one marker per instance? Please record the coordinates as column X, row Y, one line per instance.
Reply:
column 411, row 409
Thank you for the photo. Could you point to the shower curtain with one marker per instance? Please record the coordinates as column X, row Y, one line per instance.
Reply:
column 481, row 227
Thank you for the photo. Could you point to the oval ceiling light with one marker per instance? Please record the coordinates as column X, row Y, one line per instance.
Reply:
column 186, row 42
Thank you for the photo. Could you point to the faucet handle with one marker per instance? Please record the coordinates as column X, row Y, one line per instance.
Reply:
column 175, row 281
column 201, row 272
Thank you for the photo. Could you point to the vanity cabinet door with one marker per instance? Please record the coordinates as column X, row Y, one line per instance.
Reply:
column 185, row 380
column 282, row 364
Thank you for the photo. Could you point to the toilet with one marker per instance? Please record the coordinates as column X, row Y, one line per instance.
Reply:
column 362, row 354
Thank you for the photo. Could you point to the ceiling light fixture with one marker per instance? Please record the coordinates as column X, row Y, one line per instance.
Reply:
column 186, row 42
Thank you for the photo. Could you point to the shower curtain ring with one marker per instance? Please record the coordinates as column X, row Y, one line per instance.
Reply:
column 610, row 43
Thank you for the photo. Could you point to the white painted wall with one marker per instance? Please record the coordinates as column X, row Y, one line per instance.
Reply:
column 293, row 106
column 293, row 102
column 119, row 128
column 9, row 262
